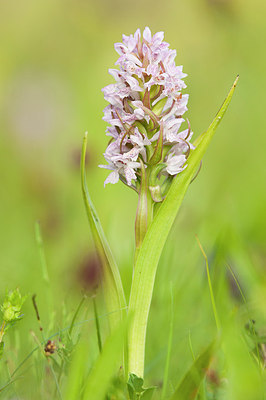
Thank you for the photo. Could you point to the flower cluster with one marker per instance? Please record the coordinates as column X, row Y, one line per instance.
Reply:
column 145, row 110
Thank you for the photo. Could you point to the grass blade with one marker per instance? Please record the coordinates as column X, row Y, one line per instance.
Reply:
column 215, row 313
column 113, row 289
column 76, row 373
column 103, row 370
column 97, row 324
column 44, row 267
column 153, row 243
column 190, row 384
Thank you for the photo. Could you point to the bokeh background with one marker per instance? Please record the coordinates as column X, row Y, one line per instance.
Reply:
column 54, row 60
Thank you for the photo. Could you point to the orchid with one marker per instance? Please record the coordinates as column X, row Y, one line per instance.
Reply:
column 150, row 151
column 145, row 100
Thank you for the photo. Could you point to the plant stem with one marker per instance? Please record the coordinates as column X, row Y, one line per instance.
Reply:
column 137, row 329
column 154, row 241
column 144, row 213
column 44, row 267
column 76, row 314
column 217, row 320
column 97, row 324
column 2, row 331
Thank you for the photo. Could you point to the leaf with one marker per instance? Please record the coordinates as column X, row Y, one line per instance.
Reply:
column 103, row 371
column 189, row 386
column 76, row 372
column 148, row 393
column 153, row 243
column 136, row 390
column 135, row 383
column 113, row 289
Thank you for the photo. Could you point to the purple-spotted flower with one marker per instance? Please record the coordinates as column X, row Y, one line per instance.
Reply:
column 145, row 112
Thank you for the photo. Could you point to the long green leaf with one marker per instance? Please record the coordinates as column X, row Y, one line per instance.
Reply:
column 170, row 343
column 190, row 384
column 153, row 243
column 113, row 289
column 105, row 366
column 76, row 373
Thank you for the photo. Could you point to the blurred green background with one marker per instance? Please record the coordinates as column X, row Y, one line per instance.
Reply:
column 54, row 61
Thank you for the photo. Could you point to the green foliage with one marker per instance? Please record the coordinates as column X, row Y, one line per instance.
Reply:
column 66, row 347
column 76, row 373
column 117, row 389
column 136, row 390
column 10, row 313
column 190, row 384
column 153, row 243
column 113, row 289
column 105, row 366
column 11, row 307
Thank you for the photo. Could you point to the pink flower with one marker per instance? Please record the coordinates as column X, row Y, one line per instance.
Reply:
column 147, row 78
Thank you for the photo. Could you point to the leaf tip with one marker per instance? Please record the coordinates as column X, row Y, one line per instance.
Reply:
column 236, row 81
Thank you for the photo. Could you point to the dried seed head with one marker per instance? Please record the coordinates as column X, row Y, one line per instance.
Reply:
column 49, row 348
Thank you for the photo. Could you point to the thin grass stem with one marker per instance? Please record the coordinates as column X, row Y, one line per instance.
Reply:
column 58, row 333
column 44, row 267
column 217, row 320
column 97, row 324
column 76, row 314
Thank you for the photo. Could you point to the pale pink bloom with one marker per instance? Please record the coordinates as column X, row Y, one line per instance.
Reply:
column 175, row 163
column 147, row 74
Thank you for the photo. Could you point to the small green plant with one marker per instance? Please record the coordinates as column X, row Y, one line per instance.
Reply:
column 136, row 390
column 10, row 313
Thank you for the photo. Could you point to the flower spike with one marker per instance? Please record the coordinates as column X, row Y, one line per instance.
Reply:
column 145, row 110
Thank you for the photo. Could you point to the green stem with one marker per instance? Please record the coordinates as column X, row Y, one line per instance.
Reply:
column 76, row 314
column 45, row 274
column 97, row 324
column 137, row 329
column 2, row 332
column 217, row 320
column 144, row 214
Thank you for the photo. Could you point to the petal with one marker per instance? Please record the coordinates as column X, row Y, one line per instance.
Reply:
column 147, row 34
column 129, row 174
column 112, row 178
column 137, row 34
column 120, row 48
column 158, row 38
